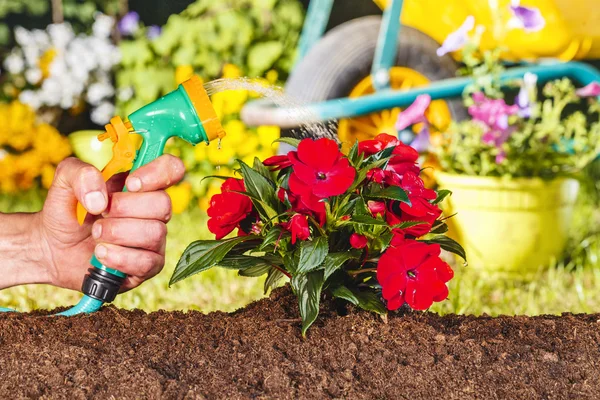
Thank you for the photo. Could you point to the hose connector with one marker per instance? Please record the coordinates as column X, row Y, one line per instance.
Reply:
column 102, row 285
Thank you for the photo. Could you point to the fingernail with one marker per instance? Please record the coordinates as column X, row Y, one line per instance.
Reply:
column 97, row 231
column 134, row 184
column 101, row 251
column 95, row 202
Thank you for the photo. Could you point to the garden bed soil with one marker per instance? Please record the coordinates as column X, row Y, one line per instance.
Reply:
column 258, row 352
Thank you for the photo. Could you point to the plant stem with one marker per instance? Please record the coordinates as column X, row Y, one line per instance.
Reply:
column 283, row 271
column 58, row 16
column 360, row 271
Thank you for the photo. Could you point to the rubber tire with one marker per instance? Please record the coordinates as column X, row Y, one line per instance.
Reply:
column 344, row 56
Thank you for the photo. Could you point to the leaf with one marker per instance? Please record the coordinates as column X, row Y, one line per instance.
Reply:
column 342, row 292
column 291, row 260
column 256, row 184
column 312, row 254
column 256, row 271
column 263, row 55
column 217, row 176
column 408, row 224
column 367, row 220
column 248, row 265
column 363, row 171
column 439, row 227
column 288, row 140
column 273, row 277
column 308, row 290
column 353, row 154
column 371, row 302
column 202, row 255
column 441, row 195
column 259, row 167
column 392, row 193
column 334, row 261
column 274, row 234
column 449, row 244
column 361, row 207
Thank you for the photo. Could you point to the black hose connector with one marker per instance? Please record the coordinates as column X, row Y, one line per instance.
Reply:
column 101, row 285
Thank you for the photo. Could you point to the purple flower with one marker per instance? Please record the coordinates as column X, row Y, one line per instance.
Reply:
column 153, row 32
column 414, row 114
column 523, row 99
column 590, row 90
column 129, row 23
column 457, row 39
column 529, row 19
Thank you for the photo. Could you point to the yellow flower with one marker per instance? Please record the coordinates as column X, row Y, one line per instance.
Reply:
column 45, row 62
column 250, row 145
column 272, row 76
column 180, row 196
column 204, row 201
column 183, row 73
column 231, row 71
column 48, row 175
column 267, row 135
column 221, row 156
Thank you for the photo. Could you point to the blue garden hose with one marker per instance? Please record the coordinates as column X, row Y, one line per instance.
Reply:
column 86, row 305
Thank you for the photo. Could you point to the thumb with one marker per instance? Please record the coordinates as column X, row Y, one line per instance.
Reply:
column 77, row 181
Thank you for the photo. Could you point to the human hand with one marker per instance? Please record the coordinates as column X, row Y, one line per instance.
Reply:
column 126, row 230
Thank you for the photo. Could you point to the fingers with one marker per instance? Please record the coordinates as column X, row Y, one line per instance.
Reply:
column 161, row 173
column 143, row 264
column 81, row 182
column 145, row 205
column 144, row 234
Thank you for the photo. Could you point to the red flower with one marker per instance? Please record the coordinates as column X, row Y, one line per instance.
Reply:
column 298, row 226
column 420, row 210
column 415, row 186
column 306, row 203
column 404, row 158
column 228, row 209
column 376, row 208
column 279, row 162
column 376, row 175
column 319, row 167
column 358, row 241
column 413, row 273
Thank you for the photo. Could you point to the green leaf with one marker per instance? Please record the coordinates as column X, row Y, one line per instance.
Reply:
column 256, row 271
column 392, row 193
column 362, row 173
column 291, row 261
column 353, row 154
column 287, row 140
column 441, row 195
column 274, row 234
column 312, row 254
column 273, row 277
column 334, row 261
column 263, row 55
column 248, row 265
column 439, row 227
column 449, row 244
column 259, row 167
column 256, row 184
column 371, row 302
column 408, row 224
column 361, row 207
column 342, row 292
column 367, row 220
column 202, row 255
column 308, row 290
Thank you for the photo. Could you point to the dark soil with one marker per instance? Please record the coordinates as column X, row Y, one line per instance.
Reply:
column 258, row 352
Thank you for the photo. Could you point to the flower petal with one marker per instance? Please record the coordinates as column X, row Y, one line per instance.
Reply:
column 457, row 39
column 320, row 154
column 590, row 90
column 414, row 113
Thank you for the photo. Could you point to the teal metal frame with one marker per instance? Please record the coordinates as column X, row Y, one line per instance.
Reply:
column 317, row 17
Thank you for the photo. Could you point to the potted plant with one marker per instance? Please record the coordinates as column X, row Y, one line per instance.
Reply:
column 512, row 167
column 362, row 228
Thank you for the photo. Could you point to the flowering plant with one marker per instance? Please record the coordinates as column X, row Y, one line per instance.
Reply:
column 54, row 69
column 542, row 135
column 362, row 228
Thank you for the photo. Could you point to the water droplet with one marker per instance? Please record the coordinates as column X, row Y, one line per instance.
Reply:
column 465, row 264
column 219, row 144
column 218, row 167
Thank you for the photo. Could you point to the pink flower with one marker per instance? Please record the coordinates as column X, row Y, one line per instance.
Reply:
column 358, row 241
column 414, row 114
column 493, row 113
column 590, row 90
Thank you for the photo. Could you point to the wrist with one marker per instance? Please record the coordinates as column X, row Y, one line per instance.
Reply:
column 22, row 256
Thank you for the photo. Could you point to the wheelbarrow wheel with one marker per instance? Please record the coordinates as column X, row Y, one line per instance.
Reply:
column 339, row 65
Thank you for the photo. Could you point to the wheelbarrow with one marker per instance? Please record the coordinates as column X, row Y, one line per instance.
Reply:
column 364, row 71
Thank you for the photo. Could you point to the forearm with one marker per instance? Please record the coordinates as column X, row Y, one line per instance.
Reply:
column 21, row 258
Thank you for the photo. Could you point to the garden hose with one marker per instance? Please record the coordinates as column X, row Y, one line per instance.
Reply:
column 187, row 113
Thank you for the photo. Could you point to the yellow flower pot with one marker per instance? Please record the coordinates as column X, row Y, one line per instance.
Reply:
column 509, row 225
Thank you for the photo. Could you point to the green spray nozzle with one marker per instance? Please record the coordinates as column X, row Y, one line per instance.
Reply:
column 186, row 113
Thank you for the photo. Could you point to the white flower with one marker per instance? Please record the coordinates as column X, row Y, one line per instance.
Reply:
column 33, row 75
column 51, row 91
column 99, row 91
column 14, row 63
column 61, row 35
column 125, row 94
column 23, row 36
column 103, row 25
column 103, row 113
column 41, row 38
column 31, row 98
column 32, row 55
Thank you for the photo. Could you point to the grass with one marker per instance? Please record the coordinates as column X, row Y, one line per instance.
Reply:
column 566, row 286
